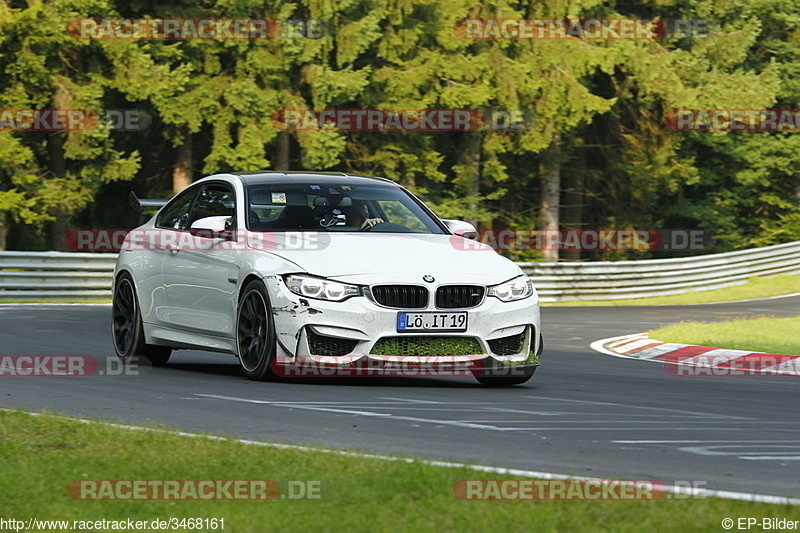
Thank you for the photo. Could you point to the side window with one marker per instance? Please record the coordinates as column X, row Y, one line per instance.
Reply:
column 175, row 215
column 214, row 202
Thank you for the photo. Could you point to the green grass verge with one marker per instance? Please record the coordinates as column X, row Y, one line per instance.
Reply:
column 754, row 288
column 771, row 335
column 41, row 455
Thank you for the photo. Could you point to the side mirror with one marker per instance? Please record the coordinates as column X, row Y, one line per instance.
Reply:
column 212, row 228
column 461, row 228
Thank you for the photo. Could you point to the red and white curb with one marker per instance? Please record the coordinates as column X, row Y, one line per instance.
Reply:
column 715, row 361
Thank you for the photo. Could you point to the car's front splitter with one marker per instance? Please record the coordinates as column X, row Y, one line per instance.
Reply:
column 410, row 366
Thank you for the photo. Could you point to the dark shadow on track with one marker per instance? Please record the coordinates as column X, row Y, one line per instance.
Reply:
column 233, row 370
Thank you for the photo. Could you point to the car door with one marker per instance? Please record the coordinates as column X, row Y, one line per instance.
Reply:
column 161, row 245
column 200, row 276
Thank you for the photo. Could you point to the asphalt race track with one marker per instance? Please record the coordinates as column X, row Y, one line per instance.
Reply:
column 583, row 413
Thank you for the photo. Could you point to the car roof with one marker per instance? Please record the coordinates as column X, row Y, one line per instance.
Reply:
column 265, row 177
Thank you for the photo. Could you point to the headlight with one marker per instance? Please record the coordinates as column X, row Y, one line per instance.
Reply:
column 511, row 291
column 320, row 288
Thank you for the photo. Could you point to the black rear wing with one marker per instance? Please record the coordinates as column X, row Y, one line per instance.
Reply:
column 140, row 204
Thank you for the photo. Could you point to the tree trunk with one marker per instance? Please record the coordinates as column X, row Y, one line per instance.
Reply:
column 58, row 165
column 182, row 170
column 574, row 201
column 58, row 168
column 282, row 151
column 551, row 191
column 3, row 231
column 472, row 160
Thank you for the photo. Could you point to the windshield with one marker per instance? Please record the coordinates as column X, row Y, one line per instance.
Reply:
column 334, row 207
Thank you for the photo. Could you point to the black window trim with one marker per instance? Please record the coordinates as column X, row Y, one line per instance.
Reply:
column 232, row 189
column 388, row 184
column 198, row 188
column 194, row 189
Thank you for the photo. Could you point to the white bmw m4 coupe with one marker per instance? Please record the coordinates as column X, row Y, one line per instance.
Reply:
column 321, row 274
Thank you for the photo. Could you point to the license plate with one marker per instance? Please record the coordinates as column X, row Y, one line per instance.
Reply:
column 431, row 322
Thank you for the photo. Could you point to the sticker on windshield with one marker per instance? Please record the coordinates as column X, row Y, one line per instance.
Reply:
column 279, row 198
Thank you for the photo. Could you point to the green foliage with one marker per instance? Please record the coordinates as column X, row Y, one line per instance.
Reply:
column 44, row 68
column 604, row 100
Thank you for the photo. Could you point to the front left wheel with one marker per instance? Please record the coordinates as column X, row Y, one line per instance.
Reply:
column 255, row 332
column 127, row 330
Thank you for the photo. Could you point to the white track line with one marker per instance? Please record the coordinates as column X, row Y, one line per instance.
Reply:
column 685, row 491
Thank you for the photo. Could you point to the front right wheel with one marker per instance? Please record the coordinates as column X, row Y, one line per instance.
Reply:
column 496, row 375
column 490, row 377
column 255, row 332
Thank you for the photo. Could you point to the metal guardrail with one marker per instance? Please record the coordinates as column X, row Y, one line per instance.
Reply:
column 55, row 276
column 615, row 280
column 59, row 276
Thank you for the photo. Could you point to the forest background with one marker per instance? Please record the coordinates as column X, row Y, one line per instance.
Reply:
column 596, row 151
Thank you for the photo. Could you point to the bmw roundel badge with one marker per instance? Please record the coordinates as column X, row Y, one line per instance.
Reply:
column 428, row 278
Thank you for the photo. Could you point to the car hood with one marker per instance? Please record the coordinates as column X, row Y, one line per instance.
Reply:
column 375, row 257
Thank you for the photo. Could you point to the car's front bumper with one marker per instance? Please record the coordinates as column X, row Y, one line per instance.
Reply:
column 352, row 328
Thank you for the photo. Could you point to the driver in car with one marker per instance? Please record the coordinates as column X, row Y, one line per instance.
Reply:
column 358, row 215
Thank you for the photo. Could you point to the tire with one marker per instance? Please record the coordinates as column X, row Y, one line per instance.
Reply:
column 126, row 327
column 255, row 332
column 521, row 375
column 490, row 378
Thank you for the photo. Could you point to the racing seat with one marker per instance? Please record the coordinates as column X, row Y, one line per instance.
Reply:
column 297, row 217
column 253, row 220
